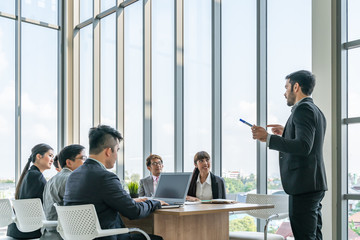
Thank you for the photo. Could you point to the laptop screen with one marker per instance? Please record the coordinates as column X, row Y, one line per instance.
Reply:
column 173, row 185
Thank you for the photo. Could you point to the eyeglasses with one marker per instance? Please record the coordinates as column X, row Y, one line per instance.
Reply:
column 82, row 158
column 156, row 164
column 204, row 160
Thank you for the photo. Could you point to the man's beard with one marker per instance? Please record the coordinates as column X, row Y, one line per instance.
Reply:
column 291, row 99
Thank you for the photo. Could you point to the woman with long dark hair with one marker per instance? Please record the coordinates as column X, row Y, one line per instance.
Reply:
column 204, row 185
column 32, row 182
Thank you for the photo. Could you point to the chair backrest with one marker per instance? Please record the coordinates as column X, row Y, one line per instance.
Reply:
column 280, row 202
column 6, row 212
column 29, row 214
column 78, row 222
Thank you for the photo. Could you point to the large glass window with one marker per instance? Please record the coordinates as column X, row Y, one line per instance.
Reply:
column 106, row 4
column 163, row 81
column 286, row 54
column 352, row 98
column 86, row 9
column 238, row 95
column 39, row 75
column 353, row 82
column 108, row 71
column 238, row 101
column 41, row 10
column 7, row 6
column 7, row 107
column 133, row 135
column 353, row 159
column 353, row 219
column 86, row 85
column 353, row 20
column 197, row 80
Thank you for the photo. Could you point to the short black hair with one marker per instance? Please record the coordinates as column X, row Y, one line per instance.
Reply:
column 102, row 137
column 56, row 161
column 69, row 152
column 305, row 79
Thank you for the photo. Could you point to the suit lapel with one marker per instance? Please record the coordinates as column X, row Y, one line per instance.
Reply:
column 150, row 184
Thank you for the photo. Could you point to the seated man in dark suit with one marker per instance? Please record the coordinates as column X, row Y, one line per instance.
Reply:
column 92, row 183
column 148, row 184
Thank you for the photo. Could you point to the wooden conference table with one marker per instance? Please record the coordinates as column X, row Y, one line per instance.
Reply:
column 200, row 221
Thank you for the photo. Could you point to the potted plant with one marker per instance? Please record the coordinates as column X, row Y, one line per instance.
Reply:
column 133, row 189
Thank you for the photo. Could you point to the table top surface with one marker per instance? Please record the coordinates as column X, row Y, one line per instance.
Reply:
column 211, row 208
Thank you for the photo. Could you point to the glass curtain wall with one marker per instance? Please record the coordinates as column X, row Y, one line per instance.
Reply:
column 197, row 80
column 285, row 55
column 162, row 81
column 39, row 89
column 7, row 107
column 238, row 101
column 29, row 73
column 86, row 84
column 133, row 93
column 351, row 118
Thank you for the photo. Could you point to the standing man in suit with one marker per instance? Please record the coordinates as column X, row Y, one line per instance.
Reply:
column 148, row 184
column 300, row 146
column 92, row 183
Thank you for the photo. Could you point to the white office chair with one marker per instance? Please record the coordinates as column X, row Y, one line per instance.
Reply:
column 280, row 211
column 29, row 215
column 80, row 222
column 6, row 213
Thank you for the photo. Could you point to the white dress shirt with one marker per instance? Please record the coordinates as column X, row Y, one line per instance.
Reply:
column 155, row 182
column 203, row 190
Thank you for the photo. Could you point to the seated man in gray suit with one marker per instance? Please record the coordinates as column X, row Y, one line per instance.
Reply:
column 70, row 158
column 148, row 185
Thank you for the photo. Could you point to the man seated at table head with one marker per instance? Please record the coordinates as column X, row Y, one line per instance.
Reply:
column 148, row 184
column 92, row 183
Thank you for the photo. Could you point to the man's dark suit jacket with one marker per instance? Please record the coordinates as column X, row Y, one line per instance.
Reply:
column 92, row 184
column 301, row 150
column 32, row 186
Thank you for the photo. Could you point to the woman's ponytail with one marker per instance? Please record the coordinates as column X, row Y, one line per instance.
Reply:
column 41, row 149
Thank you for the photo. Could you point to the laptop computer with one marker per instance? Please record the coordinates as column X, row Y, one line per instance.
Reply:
column 172, row 188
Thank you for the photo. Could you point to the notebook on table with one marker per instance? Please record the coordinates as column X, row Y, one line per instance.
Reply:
column 172, row 188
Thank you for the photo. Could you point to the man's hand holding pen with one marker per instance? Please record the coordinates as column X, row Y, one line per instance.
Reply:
column 259, row 133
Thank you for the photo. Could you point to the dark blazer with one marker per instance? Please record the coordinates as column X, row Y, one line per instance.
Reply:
column 92, row 184
column 32, row 187
column 301, row 150
column 217, row 187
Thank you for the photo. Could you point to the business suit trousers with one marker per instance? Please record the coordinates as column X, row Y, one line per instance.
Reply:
column 305, row 215
column 137, row 236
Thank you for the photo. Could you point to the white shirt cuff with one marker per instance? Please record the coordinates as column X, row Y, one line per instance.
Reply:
column 268, row 139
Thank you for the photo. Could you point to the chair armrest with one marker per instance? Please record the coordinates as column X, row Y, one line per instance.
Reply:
column 112, row 232
column 277, row 216
column 140, row 231
column 50, row 223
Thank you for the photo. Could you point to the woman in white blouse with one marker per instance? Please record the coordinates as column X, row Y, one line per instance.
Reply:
column 204, row 185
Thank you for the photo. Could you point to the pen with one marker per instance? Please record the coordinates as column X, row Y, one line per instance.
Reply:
column 243, row 121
